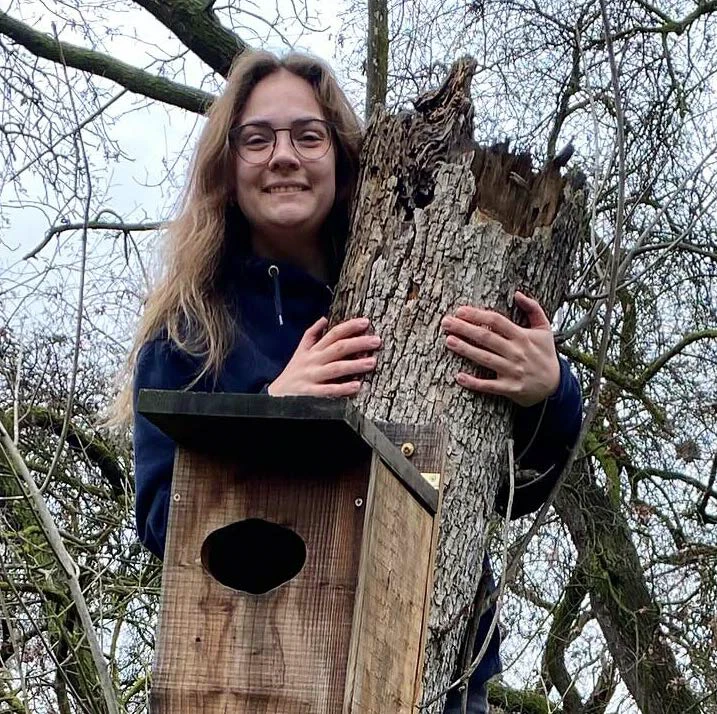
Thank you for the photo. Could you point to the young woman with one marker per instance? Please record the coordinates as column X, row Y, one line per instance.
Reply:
column 251, row 262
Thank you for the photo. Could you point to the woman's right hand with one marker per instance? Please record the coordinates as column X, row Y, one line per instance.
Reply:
column 324, row 359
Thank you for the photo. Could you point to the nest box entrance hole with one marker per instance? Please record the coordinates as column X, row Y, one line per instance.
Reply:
column 253, row 556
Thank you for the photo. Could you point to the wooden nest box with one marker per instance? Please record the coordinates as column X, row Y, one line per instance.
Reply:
column 299, row 557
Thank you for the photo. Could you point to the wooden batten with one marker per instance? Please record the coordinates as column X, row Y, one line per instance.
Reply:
column 389, row 612
column 424, row 446
column 345, row 633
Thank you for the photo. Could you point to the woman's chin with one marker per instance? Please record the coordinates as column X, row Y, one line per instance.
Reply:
column 289, row 223
column 289, row 219
column 290, row 214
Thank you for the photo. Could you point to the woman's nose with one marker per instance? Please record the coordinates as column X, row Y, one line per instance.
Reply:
column 284, row 151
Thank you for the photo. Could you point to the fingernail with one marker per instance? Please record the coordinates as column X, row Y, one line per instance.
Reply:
column 364, row 322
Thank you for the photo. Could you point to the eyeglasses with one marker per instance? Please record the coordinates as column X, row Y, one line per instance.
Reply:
column 311, row 139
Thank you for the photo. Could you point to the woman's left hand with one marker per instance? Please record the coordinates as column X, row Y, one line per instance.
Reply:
column 523, row 358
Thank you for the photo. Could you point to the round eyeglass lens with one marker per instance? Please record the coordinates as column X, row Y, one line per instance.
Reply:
column 311, row 139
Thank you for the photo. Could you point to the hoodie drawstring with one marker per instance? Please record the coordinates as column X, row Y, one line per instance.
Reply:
column 274, row 273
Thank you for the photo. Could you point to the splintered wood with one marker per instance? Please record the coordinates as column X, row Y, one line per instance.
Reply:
column 509, row 191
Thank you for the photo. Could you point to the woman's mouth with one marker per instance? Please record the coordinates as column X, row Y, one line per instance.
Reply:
column 294, row 188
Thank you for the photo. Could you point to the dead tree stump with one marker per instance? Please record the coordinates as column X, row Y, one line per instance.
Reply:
column 439, row 222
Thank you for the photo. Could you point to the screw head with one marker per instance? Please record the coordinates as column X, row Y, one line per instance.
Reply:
column 408, row 449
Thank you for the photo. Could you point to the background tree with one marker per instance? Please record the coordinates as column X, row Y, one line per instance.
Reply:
column 610, row 601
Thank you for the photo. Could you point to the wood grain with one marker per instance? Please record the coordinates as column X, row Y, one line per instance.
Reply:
column 285, row 652
column 390, row 615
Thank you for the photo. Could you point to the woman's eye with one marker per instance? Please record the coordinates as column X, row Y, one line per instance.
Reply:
column 310, row 137
column 256, row 141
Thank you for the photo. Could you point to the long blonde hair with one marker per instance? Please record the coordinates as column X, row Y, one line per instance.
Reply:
column 188, row 305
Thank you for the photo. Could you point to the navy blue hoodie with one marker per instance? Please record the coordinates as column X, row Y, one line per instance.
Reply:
column 274, row 309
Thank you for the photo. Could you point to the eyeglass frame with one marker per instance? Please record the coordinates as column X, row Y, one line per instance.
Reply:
column 234, row 132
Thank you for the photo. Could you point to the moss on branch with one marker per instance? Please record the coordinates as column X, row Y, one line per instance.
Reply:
column 523, row 701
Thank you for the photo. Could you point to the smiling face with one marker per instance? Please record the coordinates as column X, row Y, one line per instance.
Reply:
column 287, row 198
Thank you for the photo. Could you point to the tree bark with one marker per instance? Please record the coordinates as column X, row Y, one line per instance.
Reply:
column 376, row 55
column 196, row 25
column 623, row 605
column 440, row 222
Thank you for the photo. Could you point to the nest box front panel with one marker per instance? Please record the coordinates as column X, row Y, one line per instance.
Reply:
column 259, row 585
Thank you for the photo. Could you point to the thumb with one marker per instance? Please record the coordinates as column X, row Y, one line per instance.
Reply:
column 536, row 317
column 314, row 333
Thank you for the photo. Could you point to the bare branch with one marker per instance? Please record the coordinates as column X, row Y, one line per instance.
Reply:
column 376, row 55
column 707, row 489
column 65, row 559
column 653, row 368
column 101, row 65
column 81, row 288
column 91, row 225
column 74, row 130
column 194, row 23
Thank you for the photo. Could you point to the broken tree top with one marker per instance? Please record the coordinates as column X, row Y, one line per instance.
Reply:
column 508, row 188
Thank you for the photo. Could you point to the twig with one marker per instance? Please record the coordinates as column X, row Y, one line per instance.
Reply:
column 81, row 291
column 49, row 651
column 16, row 397
column 677, row 193
column 68, row 134
column 501, row 585
column 33, row 493
column 472, row 633
column 90, row 225
column 592, row 406
column 639, row 247
column 702, row 509
column 68, row 565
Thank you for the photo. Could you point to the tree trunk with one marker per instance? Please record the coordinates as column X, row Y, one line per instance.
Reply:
column 440, row 222
column 625, row 610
